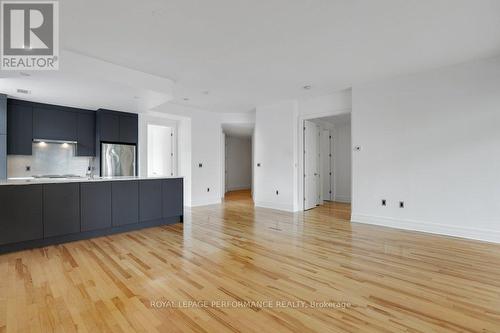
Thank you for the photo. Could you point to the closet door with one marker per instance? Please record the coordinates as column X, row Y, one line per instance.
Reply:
column 312, row 193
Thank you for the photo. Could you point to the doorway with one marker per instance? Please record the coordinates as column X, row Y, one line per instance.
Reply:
column 327, row 160
column 161, row 155
column 237, row 142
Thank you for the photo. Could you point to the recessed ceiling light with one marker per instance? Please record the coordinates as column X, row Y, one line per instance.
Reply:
column 307, row 87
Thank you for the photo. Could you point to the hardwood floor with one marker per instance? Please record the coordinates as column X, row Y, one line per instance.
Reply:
column 372, row 279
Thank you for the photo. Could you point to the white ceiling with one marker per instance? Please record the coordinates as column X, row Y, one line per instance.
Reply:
column 89, row 83
column 231, row 55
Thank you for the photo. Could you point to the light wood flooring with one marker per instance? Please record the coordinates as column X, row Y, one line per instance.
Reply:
column 371, row 279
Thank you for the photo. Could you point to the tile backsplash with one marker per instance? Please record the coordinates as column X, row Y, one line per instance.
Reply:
column 48, row 159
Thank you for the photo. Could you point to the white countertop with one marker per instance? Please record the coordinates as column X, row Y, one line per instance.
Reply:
column 31, row 180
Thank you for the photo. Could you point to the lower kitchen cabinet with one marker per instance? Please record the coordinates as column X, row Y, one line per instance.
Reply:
column 150, row 200
column 95, row 206
column 20, row 213
column 125, row 202
column 37, row 215
column 61, row 209
column 173, row 193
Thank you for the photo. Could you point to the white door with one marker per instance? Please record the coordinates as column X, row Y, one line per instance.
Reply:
column 160, row 151
column 326, row 166
column 311, row 165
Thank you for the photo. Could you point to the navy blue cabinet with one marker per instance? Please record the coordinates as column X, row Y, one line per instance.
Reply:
column 85, row 134
column 125, row 202
column 20, row 213
column 109, row 126
column 173, row 192
column 54, row 123
column 118, row 127
column 129, row 128
column 150, row 200
column 95, row 206
column 28, row 120
column 42, row 214
column 19, row 128
column 61, row 209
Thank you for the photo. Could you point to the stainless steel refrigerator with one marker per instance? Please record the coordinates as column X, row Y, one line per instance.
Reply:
column 118, row 160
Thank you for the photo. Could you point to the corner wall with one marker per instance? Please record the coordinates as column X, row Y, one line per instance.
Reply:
column 276, row 152
column 431, row 140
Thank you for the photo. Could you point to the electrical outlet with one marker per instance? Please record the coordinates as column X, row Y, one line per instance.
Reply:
column 28, row 168
column 384, row 202
column 200, row 165
column 401, row 204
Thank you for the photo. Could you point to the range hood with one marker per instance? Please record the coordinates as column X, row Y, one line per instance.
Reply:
column 54, row 141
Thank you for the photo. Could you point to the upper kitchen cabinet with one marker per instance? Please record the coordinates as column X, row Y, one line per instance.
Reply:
column 19, row 128
column 109, row 126
column 117, row 127
column 128, row 128
column 86, row 134
column 55, row 123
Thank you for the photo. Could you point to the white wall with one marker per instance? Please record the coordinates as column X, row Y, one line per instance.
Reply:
column 276, row 151
column 433, row 140
column 238, row 163
column 342, row 161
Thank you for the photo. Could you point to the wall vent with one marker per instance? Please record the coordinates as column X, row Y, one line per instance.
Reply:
column 23, row 91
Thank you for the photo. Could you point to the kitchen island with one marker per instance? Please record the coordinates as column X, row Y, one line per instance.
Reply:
column 40, row 212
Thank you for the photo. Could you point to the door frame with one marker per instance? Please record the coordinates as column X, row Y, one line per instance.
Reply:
column 300, row 131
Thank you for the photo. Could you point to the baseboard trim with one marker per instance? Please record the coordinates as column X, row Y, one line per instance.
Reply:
column 274, row 205
column 206, row 203
column 485, row 235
